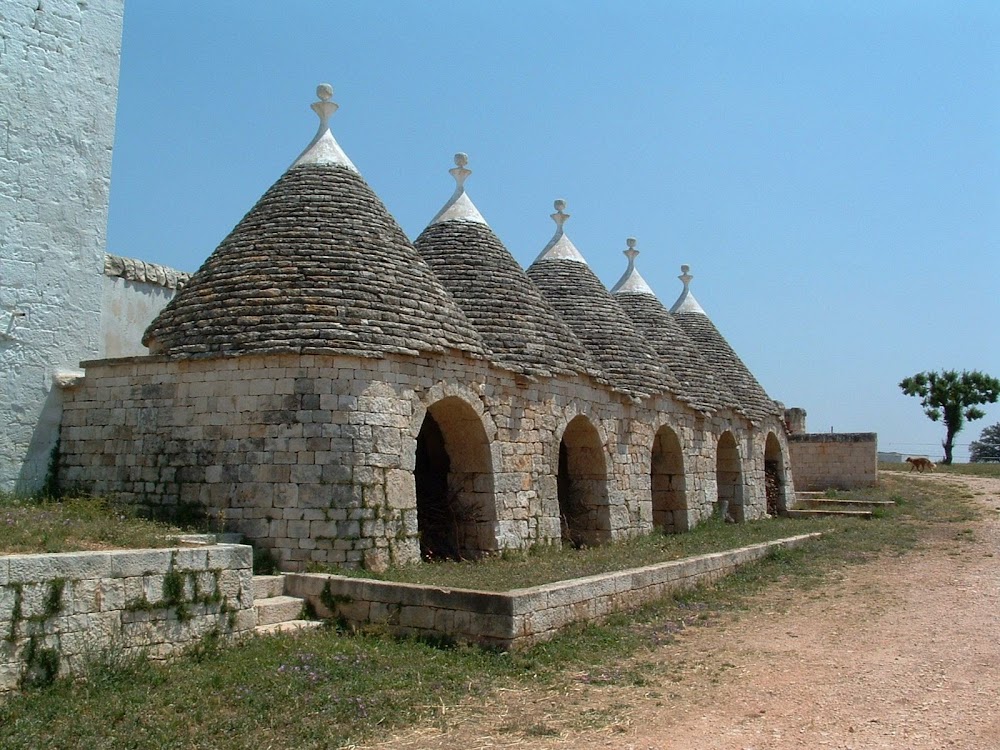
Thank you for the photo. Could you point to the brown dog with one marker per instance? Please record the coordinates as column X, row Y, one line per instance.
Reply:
column 920, row 464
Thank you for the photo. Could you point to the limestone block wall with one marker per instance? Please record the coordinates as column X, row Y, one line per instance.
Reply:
column 133, row 293
column 315, row 455
column 58, row 611
column 59, row 78
column 844, row 460
column 518, row 618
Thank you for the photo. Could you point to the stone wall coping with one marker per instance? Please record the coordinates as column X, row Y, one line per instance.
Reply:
column 143, row 272
column 518, row 616
column 42, row 567
column 833, row 437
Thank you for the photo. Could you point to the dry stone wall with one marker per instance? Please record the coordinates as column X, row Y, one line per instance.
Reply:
column 845, row 460
column 314, row 455
column 518, row 618
column 59, row 612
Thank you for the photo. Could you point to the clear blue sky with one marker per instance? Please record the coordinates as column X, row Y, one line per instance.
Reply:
column 830, row 171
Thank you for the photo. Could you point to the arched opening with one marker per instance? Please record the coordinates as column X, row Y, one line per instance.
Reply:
column 456, row 507
column 774, row 475
column 729, row 479
column 582, row 486
column 668, row 483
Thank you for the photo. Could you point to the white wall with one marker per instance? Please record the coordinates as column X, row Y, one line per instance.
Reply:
column 59, row 77
column 133, row 293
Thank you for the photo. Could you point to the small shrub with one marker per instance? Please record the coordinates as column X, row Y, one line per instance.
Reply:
column 264, row 562
column 41, row 665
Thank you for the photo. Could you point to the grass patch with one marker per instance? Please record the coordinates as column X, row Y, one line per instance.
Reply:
column 324, row 689
column 514, row 569
column 30, row 525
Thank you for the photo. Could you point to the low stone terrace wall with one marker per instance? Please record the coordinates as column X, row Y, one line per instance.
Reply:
column 58, row 611
column 517, row 618
column 841, row 460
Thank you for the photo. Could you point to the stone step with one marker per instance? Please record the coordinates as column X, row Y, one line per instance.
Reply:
column 814, row 513
column 274, row 609
column 264, row 587
column 828, row 503
column 289, row 626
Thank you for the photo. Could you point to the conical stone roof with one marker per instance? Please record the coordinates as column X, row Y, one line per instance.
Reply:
column 699, row 384
column 520, row 328
column 317, row 265
column 594, row 315
column 690, row 316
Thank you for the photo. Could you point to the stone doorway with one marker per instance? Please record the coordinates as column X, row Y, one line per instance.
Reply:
column 774, row 475
column 670, row 512
column 453, row 474
column 582, row 486
column 729, row 479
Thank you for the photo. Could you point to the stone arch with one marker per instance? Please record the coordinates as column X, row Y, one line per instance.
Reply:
column 729, row 478
column 453, row 473
column 775, row 476
column 668, row 483
column 582, row 485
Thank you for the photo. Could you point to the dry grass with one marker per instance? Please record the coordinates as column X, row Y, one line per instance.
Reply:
column 76, row 524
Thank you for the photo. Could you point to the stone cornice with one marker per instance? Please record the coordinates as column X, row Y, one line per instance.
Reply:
column 131, row 269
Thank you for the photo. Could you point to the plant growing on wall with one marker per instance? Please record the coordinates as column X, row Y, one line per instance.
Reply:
column 952, row 397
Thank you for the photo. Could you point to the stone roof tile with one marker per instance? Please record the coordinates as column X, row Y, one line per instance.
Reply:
column 317, row 264
column 594, row 315
column 690, row 316
column 518, row 325
column 699, row 384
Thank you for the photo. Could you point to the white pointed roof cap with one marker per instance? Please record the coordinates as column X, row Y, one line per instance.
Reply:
column 560, row 247
column 686, row 303
column 324, row 148
column 631, row 281
column 459, row 207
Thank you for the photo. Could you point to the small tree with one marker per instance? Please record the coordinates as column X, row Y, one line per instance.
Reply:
column 953, row 396
column 987, row 448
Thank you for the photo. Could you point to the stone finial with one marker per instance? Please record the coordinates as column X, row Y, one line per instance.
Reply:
column 631, row 281
column 459, row 172
column 459, row 207
column 685, row 276
column 560, row 246
column 324, row 107
column 630, row 252
column 686, row 303
column 324, row 148
column 560, row 216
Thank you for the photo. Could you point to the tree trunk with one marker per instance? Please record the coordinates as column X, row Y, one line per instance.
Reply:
column 947, row 445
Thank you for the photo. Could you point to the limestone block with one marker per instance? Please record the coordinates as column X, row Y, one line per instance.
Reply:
column 71, row 565
column 416, row 616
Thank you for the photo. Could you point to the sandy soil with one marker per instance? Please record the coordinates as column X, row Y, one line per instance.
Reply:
column 902, row 653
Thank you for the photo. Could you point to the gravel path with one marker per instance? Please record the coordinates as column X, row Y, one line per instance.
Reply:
column 901, row 653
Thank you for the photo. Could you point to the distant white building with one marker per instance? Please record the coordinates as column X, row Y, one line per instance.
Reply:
column 891, row 458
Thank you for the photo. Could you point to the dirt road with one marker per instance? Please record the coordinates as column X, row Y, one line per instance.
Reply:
column 902, row 653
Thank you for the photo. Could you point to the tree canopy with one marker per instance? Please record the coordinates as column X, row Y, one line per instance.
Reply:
column 953, row 397
column 987, row 448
